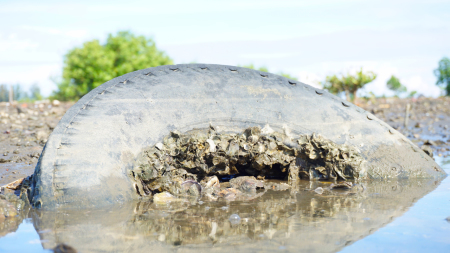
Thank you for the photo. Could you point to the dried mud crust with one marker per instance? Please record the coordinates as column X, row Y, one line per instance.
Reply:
column 186, row 164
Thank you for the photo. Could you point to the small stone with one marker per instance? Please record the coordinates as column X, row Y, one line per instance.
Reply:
column 319, row 190
column 16, row 151
column 162, row 237
column 428, row 150
column 164, row 197
column 429, row 143
column 64, row 248
column 159, row 146
column 341, row 185
column 41, row 135
column 212, row 145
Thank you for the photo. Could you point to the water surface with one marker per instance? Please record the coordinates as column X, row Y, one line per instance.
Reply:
column 381, row 215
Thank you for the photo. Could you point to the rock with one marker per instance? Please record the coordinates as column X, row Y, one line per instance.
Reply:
column 14, row 185
column 319, row 190
column 341, row 185
column 56, row 103
column 229, row 193
column 41, row 135
column 64, row 248
column 429, row 143
column 428, row 150
column 164, row 197
column 34, row 154
column 246, row 183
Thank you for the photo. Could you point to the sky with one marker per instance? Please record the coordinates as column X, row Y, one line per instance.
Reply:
column 307, row 39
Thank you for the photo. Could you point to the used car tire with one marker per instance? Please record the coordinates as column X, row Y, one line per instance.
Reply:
column 86, row 158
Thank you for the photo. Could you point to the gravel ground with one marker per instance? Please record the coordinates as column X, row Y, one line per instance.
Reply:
column 425, row 121
column 24, row 128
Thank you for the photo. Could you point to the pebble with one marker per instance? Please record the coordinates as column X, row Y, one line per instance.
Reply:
column 319, row 190
column 64, row 248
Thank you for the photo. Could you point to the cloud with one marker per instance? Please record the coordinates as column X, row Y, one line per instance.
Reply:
column 264, row 56
column 417, row 83
column 27, row 75
column 310, row 78
column 11, row 42
column 77, row 34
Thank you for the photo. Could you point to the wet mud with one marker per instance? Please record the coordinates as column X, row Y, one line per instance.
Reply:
column 425, row 121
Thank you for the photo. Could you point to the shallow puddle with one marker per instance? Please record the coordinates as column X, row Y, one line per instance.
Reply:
column 301, row 220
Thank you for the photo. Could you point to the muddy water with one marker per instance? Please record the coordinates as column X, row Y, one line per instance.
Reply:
column 301, row 220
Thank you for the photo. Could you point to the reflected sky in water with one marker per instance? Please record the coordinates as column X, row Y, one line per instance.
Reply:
column 423, row 228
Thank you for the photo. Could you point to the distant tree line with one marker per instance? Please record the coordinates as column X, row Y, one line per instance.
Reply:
column 34, row 93
column 443, row 75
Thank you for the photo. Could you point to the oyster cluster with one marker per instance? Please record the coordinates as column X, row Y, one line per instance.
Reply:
column 201, row 162
column 327, row 160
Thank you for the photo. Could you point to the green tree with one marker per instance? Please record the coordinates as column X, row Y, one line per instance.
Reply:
column 412, row 94
column 336, row 85
column 394, row 84
column 443, row 74
column 349, row 83
column 264, row 69
column 91, row 65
